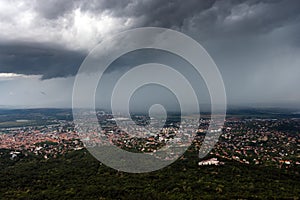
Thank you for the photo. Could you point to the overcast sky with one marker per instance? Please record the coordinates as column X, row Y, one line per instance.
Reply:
column 255, row 44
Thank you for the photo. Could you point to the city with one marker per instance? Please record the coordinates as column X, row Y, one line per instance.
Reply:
column 248, row 141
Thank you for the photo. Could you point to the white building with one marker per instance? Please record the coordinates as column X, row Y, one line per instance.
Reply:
column 212, row 161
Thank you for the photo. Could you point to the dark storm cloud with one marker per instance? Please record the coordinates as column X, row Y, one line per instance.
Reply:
column 161, row 13
column 39, row 59
column 152, row 13
column 206, row 16
column 203, row 20
column 255, row 43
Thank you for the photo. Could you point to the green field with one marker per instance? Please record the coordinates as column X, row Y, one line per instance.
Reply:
column 10, row 124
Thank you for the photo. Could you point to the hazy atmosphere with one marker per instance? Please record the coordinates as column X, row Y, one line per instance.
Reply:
column 255, row 44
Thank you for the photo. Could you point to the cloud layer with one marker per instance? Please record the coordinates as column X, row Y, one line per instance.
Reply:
column 39, row 34
column 255, row 43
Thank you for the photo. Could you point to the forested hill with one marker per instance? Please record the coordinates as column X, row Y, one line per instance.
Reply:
column 77, row 175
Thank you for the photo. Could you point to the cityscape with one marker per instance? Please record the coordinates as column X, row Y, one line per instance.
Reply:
column 253, row 141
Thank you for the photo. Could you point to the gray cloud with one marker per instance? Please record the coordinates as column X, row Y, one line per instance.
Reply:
column 211, row 16
column 254, row 42
column 53, row 9
column 39, row 59
column 204, row 20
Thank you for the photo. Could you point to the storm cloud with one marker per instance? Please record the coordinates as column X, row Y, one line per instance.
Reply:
column 39, row 59
column 255, row 43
